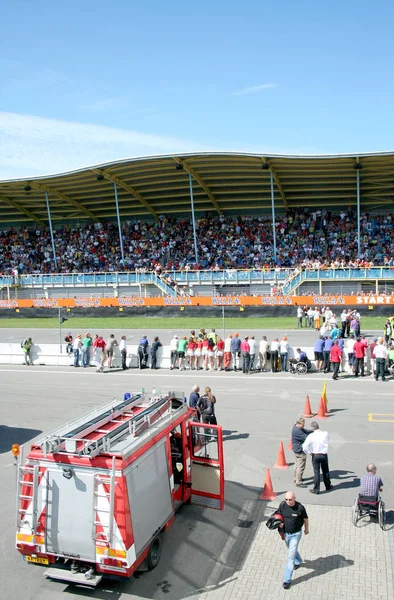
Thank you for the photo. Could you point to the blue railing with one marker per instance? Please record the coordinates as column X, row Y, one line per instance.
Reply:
column 228, row 277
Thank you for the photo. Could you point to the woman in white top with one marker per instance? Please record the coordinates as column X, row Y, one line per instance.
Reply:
column 284, row 350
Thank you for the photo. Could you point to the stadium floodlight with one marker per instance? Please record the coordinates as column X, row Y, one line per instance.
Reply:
column 179, row 167
column 100, row 177
column 357, row 166
column 265, row 166
column 27, row 188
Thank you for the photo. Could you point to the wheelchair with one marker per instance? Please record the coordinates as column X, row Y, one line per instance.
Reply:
column 297, row 367
column 369, row 506
column 391, row 369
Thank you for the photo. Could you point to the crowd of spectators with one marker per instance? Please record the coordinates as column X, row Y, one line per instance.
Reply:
column 307, row 238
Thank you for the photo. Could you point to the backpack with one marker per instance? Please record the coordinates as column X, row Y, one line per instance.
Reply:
column 205, row 405
column 23, row 343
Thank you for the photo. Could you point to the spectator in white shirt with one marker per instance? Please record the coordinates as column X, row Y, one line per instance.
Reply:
column 123, row 352
column 263, row 350
column 300, row 314
column 381, row 354
column 274, row 355
column 173, row 351
column 284, row 349
column 311, row 317
column 252, row 352
column 350, row 352
column 316, row 444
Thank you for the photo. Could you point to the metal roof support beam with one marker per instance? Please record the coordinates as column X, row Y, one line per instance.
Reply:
column 200, row 181
column 64, row 197
column 23, row 210
column 277, row 181
column 357, row 167
column 123, row 184
column 273, row 212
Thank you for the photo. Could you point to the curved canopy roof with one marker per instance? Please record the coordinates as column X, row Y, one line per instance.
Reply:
column 222, row 182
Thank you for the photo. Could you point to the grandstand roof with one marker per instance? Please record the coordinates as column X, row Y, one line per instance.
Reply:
column 222, row 182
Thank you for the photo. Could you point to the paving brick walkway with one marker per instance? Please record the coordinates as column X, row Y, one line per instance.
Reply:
column 341, row 561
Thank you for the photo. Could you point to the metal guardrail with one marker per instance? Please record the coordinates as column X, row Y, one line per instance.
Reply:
column 226, row 276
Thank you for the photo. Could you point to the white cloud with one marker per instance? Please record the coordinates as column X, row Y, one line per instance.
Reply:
column 254, row 89
column 33, row 145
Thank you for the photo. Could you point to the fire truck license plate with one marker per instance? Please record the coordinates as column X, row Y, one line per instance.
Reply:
column 37, row 559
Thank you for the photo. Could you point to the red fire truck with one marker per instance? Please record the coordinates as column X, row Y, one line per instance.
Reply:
column 96, row 495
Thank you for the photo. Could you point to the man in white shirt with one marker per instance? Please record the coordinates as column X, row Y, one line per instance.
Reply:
column 311, row 316
column 173, row 351
column 263, row 349
column 327, row 317
column 252, row 352
column 381, row 354
column 350, row 352
column 316, row 444
column 300, row 314
column 274, row 355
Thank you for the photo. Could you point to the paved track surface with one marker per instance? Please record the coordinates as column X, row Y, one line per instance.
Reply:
column 206, row 554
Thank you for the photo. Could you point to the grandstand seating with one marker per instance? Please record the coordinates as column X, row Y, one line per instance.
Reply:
column 309, row 238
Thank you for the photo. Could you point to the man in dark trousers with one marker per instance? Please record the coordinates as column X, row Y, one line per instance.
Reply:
column 156, row 344
column 316, row 444
column 295, row 517
column 298, row 437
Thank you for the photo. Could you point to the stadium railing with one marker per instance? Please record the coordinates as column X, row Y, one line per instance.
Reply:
column 291, row 278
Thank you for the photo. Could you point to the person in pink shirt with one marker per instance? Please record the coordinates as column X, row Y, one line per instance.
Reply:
column 245, row 353
column 335, row 358
column 359, row 353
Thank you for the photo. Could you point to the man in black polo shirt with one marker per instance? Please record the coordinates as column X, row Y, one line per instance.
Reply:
column 295, row 517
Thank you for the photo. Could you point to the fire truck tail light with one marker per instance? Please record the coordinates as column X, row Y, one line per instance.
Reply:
column 113, row 562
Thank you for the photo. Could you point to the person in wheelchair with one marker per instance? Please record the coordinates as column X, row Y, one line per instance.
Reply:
column 301, row 357
column 370, row 487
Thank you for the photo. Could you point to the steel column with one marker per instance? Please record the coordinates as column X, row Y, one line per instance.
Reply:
column 193, row 219
column 358, row 214
column 273, row 212
column 51, row 230
column 118, row 218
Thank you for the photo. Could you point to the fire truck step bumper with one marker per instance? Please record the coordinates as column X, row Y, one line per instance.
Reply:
column 78, row 578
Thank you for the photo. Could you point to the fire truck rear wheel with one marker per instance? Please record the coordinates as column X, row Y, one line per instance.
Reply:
column 154, row 553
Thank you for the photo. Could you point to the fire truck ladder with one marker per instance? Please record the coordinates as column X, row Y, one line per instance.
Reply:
column 103, row 506
column 23, row 498
column 75, row 440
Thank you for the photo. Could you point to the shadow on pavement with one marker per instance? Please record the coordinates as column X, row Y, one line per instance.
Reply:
column 192, row 548
column 321, row 566
column 228, row 435
column 347, row 479
column 15, row 435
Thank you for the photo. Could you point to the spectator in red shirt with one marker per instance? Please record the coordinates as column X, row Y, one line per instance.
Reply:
column 219, row 354
column 335, row 358
column 245, row 353
column 359, row 353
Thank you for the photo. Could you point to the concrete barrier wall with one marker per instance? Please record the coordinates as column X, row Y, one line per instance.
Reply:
column 49, row 355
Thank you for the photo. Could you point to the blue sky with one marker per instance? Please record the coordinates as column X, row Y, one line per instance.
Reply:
column 83, row 82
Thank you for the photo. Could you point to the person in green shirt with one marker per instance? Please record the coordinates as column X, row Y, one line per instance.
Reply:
column 181, row 351
column 85, row 350
column 27, row 344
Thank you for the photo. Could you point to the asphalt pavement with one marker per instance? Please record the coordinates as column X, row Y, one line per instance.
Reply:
column 256, row 412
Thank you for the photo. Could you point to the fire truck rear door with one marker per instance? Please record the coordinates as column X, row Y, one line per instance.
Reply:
column 69, row 521
column 207, row 465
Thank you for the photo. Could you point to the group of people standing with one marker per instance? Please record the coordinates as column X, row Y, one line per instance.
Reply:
column 95, row 349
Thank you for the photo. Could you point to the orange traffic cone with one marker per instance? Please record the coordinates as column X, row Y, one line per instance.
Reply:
column 268, row 491
column 281, row 460
column 322, row 410
column 307, row 409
